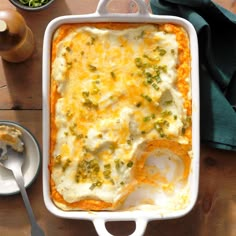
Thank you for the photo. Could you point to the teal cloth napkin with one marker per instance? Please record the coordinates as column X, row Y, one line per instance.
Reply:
column 216, row 30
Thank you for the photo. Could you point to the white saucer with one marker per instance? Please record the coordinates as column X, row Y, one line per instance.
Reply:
column 31, row 164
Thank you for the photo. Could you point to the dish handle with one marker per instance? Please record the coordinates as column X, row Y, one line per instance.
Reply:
column 141, row 5
column 100, row 226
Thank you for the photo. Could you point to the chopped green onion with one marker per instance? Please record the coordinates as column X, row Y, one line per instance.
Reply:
column 138, row 62
column 85, row 93
column 155, row 86
column 113, row 75
column 34, row 3
column 129, row 142
column 58, row 159
column 107, row 166
column 166, row 113
column 149, row 99
column 139, row 104
column 68, row 49
column 107, row 173
column 168, row 102
column 130, row 164
column 147, row 118
column 92, row 68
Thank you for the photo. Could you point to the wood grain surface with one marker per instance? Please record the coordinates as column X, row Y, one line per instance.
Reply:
column 21, row 100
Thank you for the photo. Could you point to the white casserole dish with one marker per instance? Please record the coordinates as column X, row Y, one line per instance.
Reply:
column 141, row 217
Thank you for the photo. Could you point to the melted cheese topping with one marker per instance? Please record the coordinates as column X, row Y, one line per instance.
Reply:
column 115, row 87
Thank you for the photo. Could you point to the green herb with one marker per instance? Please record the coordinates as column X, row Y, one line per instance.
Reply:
column 113, row 75
column 159, row 129
column 107, row 166
column 159, row 126
column 149, row 80
column 68, row 49
column 130, row 164
column 93, row 40
column 168, row 102
column 69, row 113
column 58, row 159
column 186, row 123
column 155, row 86
column 93, row 186
column 161, row 51
column 162, row 122
column 147, row 57
column 34, row 3
column 148, row 98
column 79, row 136
column 153, row 116
column 107, row 173
column 89, row 103
column 147, row 118
column 163, row 68
column 87, row 170
column 138, row 62
column 139, row 104
column 92, row 68
column 118, row 164
column 129, row 142
column 85, row 94
column 72, row 128
column 166, row 113
column 140, row 36
column 66, row 164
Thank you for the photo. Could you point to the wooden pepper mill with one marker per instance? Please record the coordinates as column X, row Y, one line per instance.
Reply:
column 16, row 38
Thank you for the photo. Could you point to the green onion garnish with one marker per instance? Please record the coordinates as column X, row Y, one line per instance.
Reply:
column 34, row 3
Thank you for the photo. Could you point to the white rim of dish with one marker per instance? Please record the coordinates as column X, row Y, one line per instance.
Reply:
column 28, row 173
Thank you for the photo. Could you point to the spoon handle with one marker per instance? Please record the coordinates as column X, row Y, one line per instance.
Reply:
column 35, row 228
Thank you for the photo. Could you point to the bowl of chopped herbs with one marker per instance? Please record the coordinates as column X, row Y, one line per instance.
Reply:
column 31, row 5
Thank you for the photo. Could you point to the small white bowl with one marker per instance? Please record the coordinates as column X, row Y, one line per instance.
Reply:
column 30, row 168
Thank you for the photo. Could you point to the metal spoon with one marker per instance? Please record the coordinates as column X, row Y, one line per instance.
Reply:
column 13, row 161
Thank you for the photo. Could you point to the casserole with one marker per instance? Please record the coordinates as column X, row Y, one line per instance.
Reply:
column 141, row 214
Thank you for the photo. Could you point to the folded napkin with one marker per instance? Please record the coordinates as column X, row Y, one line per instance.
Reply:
column 216, row 29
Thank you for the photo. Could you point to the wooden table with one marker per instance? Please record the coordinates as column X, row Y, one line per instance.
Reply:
column 21, row 101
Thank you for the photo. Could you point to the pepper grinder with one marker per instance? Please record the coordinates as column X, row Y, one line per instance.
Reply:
column 16, row 38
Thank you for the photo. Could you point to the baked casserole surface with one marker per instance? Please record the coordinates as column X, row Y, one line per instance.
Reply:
column 120, row 115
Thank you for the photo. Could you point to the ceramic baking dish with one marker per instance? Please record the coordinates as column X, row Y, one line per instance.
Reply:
column 143, row 216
